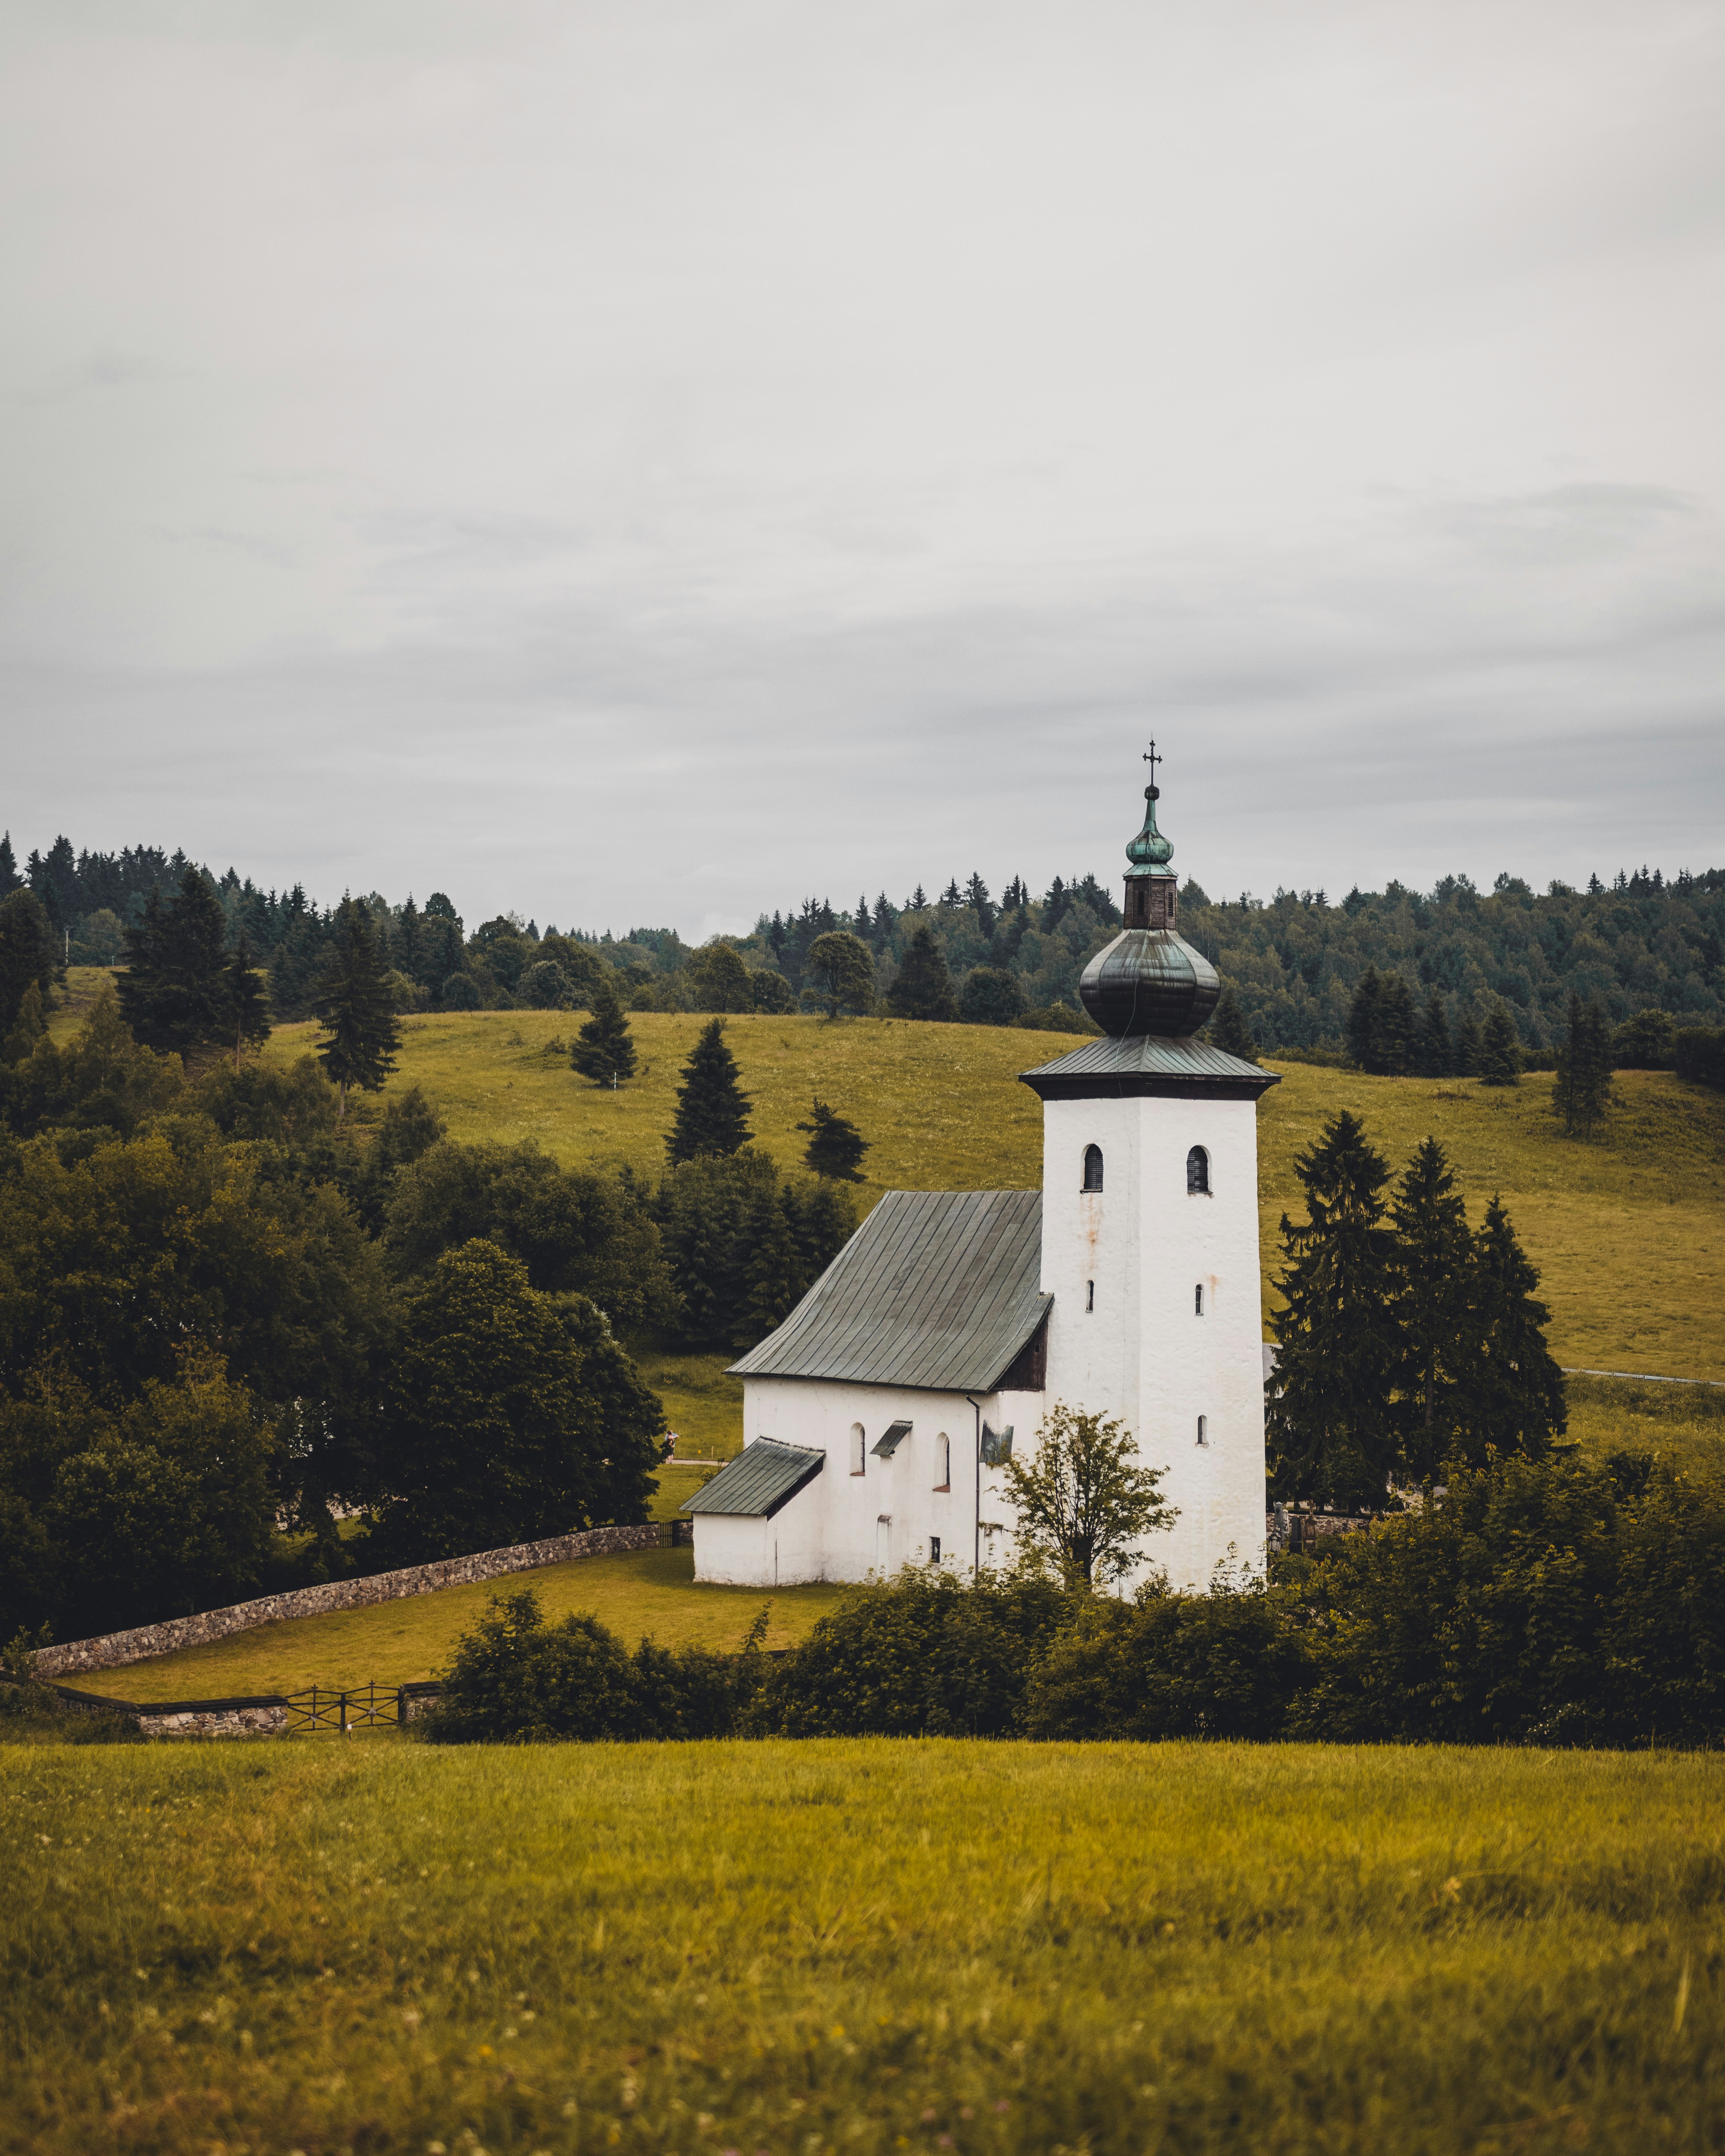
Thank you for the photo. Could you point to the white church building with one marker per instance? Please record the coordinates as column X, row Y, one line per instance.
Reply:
column 880, row 1414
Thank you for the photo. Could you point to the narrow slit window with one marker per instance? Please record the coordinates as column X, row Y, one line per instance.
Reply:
column 1204, row 1429
column 1197, row 1173
column 934, row 1549
column 859, row 1453
column 1198, row 1300
column 1090, row 1295
column 1092, row 1167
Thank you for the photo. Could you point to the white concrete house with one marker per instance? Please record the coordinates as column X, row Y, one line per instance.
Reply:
column 878, row 1415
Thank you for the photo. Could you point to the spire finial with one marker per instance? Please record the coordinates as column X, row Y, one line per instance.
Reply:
column 1149, row 852
column 1152, row 759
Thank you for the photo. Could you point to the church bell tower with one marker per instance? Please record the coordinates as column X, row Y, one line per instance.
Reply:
column 1150, row 1226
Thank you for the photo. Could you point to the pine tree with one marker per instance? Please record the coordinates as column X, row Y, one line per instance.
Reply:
column 1513, row 1396
column 924, row 986
column 861, row 923
column 1363, row 1020
column 1229, row 1030
column 26, row 953
column 1467, row 1048
column 10, row 879
column 1431, row 1266
column 822, row 1218
column 1500, row 1061
column 1330, row 1423
column 1435, row 1052
column 174, row 992
column 27, row 1029
column 248, row 999
column 712, row 1109
column 1581, row 1092
column 1394, row 1047
column 604, row 1050
column 354, row 1006
column 835, row 1146
column 772, row 1281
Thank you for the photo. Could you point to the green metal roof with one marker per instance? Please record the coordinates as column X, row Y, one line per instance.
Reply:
column 1147, row 1063
column 761, row 1480
column 890, row 1438
column 938, row 1290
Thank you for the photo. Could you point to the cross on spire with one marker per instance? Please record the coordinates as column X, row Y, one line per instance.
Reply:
column 1152, row 759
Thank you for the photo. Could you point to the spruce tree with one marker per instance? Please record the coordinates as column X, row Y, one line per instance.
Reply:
column 1392, row 1044
column 354, row 1007
column 248, row 999
column 712, row 1109
column 1513, row 1396
column 1430, row 1264
column 924, row 986
column 1500, row 1050
column 26, row 953
column 1435, row 1054
column 1581, row 1092
column 10, row 879
column 1467, row 1048
column 174, row 992
column 835, row 1148
column 771, row 1271
column 822, row 1218
column 604, row 1050
column 1229, row 1030
column 1331, row 1429
column 1363, row 1020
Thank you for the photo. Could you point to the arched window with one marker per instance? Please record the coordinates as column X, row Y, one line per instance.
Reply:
column 858, row 1460
column 1197, row 1173
column 1204, row 1429
column 1092, row 1167
column 943, row 1461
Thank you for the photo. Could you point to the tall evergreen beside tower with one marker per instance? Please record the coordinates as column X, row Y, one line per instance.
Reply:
column 1514, row 1398
column 1329, row 1422
column 1428, row 1300
column 1229, row 1029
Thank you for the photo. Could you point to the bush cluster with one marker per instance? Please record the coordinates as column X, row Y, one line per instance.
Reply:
column 1541, row 1603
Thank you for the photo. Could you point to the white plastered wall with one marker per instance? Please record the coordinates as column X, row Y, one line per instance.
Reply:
column 844, row 1526
column 1141, row 1352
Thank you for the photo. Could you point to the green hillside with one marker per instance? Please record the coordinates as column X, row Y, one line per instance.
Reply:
column 1628, row 1231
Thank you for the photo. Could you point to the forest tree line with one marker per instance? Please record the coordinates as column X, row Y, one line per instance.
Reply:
column 1296, row 961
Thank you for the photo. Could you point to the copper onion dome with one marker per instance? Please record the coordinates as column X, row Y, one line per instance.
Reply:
column 1148, row 980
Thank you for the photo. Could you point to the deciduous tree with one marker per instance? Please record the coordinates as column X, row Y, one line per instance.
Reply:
column 1082, row 1499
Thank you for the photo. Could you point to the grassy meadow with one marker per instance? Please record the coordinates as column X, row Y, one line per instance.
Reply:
column 872, row 1946
column 643, row 1593
column 1627, row 1231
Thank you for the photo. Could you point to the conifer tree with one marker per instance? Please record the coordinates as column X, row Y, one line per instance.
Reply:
column 924, row 986
column 1467, row 1048
column 823, row 1218
column 835, row 1148
column 1363, row 1020
column 1435, row 1053
column 1430, row 1285
column 355, row 1008
column 773, row 1281
column 1500, row 1050
column 712, row 1108
column 10, row 879
column 1514, row 1396
column 1393, row 1046
column 27, row 1029
column 1229, row 1030
column 1330, row 1425
column 604, row 1049
column 174, row 992
column 248, row 999
column 1581, row 1092
column 26, row 953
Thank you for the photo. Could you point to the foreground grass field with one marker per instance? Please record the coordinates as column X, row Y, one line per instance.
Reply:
column 648, row 1592
column 1628, row 1232
column 866, row 1947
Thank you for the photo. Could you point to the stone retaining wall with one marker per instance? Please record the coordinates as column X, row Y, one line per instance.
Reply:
column 116, row 1649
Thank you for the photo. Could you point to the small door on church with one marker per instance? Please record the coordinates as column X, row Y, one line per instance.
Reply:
column 883, row 1543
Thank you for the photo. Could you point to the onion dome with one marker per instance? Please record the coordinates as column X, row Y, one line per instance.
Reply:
column 1148, row 980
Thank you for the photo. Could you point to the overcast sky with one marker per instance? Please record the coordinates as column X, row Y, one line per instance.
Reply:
column 640, row 461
